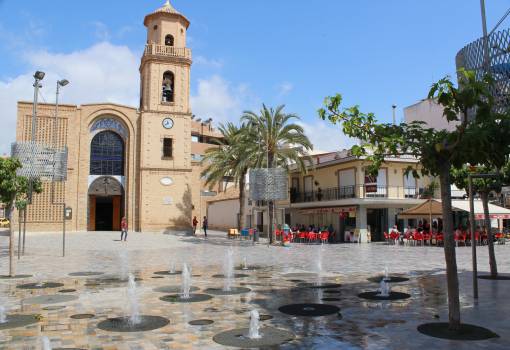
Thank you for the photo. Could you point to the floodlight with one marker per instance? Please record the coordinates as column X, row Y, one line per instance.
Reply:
column 63, row 82
column 39, row 75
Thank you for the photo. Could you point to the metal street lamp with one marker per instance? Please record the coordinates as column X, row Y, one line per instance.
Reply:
column 60, row 83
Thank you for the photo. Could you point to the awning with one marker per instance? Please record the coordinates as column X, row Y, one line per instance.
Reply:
column 432, row 208
column 334, row 210
column 495, row 211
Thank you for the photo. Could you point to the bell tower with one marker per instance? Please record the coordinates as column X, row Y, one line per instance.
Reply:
column 165, row 123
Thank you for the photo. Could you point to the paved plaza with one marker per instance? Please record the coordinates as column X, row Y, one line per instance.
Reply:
column 280, row 276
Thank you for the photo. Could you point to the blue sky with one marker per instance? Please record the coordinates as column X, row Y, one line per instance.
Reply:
column 294, row 52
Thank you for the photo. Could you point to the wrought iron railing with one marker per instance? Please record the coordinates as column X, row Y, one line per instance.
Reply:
column 358, row 191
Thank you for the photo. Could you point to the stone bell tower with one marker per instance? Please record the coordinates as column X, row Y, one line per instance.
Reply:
column 165, row 123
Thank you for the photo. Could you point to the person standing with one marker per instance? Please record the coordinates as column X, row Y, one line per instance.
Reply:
column 124, row 229
column 195, row 224
column 204, row 225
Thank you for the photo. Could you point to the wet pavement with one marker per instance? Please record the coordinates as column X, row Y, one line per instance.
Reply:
column 284, row 276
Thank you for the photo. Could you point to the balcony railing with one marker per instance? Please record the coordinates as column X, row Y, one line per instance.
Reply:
column 359, row 191
column 167, row 51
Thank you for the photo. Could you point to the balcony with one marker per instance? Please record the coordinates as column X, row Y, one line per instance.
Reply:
column 350, row 192
column 167, row 51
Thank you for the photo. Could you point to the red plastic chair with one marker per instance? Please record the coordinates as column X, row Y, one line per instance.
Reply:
column 439, row 239
column 324, row 237
column 387, row 237
column 302, row 236
column 418, row 237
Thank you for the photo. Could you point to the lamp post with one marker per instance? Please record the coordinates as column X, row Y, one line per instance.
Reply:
column 486, row 54
column 60, row 83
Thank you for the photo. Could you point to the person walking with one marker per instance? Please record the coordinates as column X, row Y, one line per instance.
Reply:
column 124, row 229
column 195, row 224
column 204, row 226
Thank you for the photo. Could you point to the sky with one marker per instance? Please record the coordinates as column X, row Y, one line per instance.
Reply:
column 376, row 53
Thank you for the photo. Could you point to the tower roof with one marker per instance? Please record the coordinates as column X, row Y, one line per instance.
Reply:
column 166, row 9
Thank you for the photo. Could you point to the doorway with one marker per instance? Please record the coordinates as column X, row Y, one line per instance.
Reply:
column 377, row 219
column 105, row 204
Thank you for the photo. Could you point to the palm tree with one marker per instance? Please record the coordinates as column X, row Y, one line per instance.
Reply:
column 231, row 160
column 281, row 143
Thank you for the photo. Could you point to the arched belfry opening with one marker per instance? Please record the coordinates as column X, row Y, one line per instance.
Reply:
column 168, row 87
column 169, row 40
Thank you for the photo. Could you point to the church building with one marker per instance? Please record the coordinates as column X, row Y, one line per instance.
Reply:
column 142, row 163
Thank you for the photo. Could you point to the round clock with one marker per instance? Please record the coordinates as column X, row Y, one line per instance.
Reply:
column 168, row 123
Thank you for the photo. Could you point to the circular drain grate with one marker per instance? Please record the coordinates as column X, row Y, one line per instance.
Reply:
column 236, row 275
column 49, row 299
column 378, row 297
column 319, row 285
column 201, row 322
column 265, row 317
column 330, row 299
column 232, row 291
column 466, row 332
column 15, row 321
column 194, row 298
column 390, row 279
column 86, row 273
column 168, row 273
column 174, row 289
column 310, row 310
column 43, row 285
column 4, row 277
column 157, row 277
column 123, row 324
column 67, row 291
column 270, row 337
column 82, row 316
column 332, row 291
column 497, row 278
column 54, row 308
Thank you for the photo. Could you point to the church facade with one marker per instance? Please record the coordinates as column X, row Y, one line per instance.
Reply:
column 142, row 163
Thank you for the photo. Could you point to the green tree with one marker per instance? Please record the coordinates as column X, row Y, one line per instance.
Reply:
column 483, row 187
column 281, row 142
column 438, row 150
column 231, row 160
column 14, row 191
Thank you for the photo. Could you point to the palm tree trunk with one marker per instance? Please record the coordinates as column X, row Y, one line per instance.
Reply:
column 452, row 278
column 270, row 207
column 242, row 185
column 490, row 242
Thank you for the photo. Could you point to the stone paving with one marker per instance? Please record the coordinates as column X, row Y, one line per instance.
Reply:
column 281, row 279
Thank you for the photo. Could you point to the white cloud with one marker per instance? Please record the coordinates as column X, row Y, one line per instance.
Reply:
column 211, row 63
column 285, row 88
column 218, row 99
column 326, row 137
column 101, row 73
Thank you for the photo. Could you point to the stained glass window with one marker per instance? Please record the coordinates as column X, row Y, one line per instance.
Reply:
column 107, row 154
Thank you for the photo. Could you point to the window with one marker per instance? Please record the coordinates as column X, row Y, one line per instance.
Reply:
column 169, row 40
column 194, row 138
column 167, row 148
column 107, row 154
column 409, row 185
column 197, row 157
column 168, row 87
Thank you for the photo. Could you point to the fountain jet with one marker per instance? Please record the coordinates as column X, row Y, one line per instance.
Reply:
column 186, row 281
column 228, row 269
column 134, row 309
column 254, row 332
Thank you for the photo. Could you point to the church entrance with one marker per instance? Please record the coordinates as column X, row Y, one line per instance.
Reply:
column 105, row 205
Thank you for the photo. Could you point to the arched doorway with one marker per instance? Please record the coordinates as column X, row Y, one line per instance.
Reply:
column 106, row 202
column 106, row 192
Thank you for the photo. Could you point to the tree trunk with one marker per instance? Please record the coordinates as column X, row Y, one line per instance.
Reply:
column 242, row 185
column 490, row 242
column 11, row 243
column 452, row 278
column 271, row 222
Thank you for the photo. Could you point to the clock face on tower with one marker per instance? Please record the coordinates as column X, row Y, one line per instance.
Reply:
column 168, row 123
